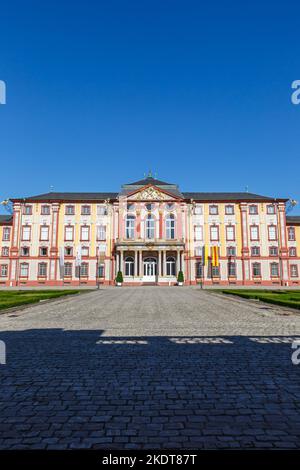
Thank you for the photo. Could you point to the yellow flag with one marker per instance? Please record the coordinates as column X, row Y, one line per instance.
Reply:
column 215, row 256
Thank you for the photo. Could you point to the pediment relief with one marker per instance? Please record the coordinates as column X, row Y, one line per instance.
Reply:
column 150, row 194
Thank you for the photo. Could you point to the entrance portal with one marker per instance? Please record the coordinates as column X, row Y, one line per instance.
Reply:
column 150, row 270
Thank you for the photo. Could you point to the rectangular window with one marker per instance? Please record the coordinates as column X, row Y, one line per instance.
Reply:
column 294, row 270
column 44, row 233
column 5, row 251
column 101, row 270
column 69, row 233
column 6, row 234
column 273, row 251
column 85, row 233
column 255, row 251
column 232, row 269
column 254, row 232
column 256, row 269
column 70, row 210
column 272, row 232
column 198, row 232
column 215, row 271
column 230, row 233
column 84, row 269
column 43, row 251
column 26, row 233
column 27, row 210
column 274, row 269
column 68, row 270
column 24, row 269
column 198, row 210
column 84, row 251
column 253, row 210
column 101, row 210
column 24, row 251
column 229, row 210
column 68, row 251
column 271, row 209
column 101, row 232
column 213, row 209
column 292, row 251
column 42, row 269
column 85, row 210
column 291, row 234
column 198, row 251
column 214, row 233
column 4, row 270
column 231, row 251
column 199, row 270
column 45, row 210
column 170, row 227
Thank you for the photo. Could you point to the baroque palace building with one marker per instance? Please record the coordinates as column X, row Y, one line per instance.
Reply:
column 150, row 231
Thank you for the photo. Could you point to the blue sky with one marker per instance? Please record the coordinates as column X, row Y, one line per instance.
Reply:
column 98, row 92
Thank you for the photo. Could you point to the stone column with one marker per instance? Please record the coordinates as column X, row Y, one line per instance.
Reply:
column 136, row 263
column 122, row 261
column 141, row 263
column 182, row 263
column 177, row 262
column 117, row 263
column 159, row 263
column 164, row 270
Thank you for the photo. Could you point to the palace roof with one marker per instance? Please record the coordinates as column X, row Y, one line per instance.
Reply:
column 293, row 219
column 5, row 219
column 244, row 196
column 150, row 180
column 171, row 188
column 69, row 197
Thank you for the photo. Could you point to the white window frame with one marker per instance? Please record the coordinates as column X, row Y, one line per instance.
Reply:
column 130, row 227
column 129, row 266
column 170, row 227
column 150, row 227
column 44, row 234
column 171, row 266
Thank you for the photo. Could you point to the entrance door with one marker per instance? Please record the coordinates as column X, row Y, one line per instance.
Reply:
column 150, row 265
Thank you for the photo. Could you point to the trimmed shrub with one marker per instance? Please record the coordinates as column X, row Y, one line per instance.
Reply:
column 119, row 277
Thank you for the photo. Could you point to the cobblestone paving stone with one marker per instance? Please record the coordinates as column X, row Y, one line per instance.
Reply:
column 150, row 367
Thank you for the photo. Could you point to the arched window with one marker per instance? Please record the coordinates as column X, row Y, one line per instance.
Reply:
column 150, row 226
column 129, row 266
column 170, row 226
column 130, row 222
column 171, row 266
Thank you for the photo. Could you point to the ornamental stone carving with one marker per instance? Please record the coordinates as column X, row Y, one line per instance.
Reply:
column 150, row 194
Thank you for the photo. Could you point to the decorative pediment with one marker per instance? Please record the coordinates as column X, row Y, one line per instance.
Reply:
column 150, row 193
